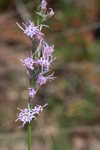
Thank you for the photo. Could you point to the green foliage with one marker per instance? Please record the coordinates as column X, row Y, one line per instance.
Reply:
column 94, row 51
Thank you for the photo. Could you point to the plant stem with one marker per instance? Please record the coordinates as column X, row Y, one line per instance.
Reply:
column 29, row 125
column 29, row 136
column 38, row 17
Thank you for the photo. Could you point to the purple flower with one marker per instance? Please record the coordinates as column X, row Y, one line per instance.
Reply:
column 28, row 62
column 42, row 79
column 39, row 35
column 37, row 64
column 43, row 6
column 32, row 93
column 38, row 108
column 51, row 13
column 31, row 30
column 26, row 115
column 44, row 63
column 47, row 50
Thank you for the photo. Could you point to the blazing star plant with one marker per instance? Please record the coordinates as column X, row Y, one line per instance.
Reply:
column 37, row 65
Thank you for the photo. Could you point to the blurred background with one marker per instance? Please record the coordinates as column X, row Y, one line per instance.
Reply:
column 72, row 119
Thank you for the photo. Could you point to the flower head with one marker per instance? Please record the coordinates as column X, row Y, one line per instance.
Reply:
column 48, row 50
column 39, row 35
column 38, row 108
column 51, row 13
column 32, row 93
column 44, row 63
column 28, row 62
column 43, row 6
column 31, row 30
column 26, row 115
column 43, row 79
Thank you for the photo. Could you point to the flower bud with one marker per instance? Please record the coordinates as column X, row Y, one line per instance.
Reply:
column 43, row 6
column 51, row 13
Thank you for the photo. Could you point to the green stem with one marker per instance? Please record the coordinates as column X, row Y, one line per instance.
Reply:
column 38, row 17
column 38, row 20
column 29, row 136
column 29, row 125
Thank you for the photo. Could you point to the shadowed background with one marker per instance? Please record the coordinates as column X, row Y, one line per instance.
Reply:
column 72, row 119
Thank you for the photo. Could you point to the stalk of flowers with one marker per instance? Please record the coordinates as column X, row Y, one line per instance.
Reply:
column 37, row 65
